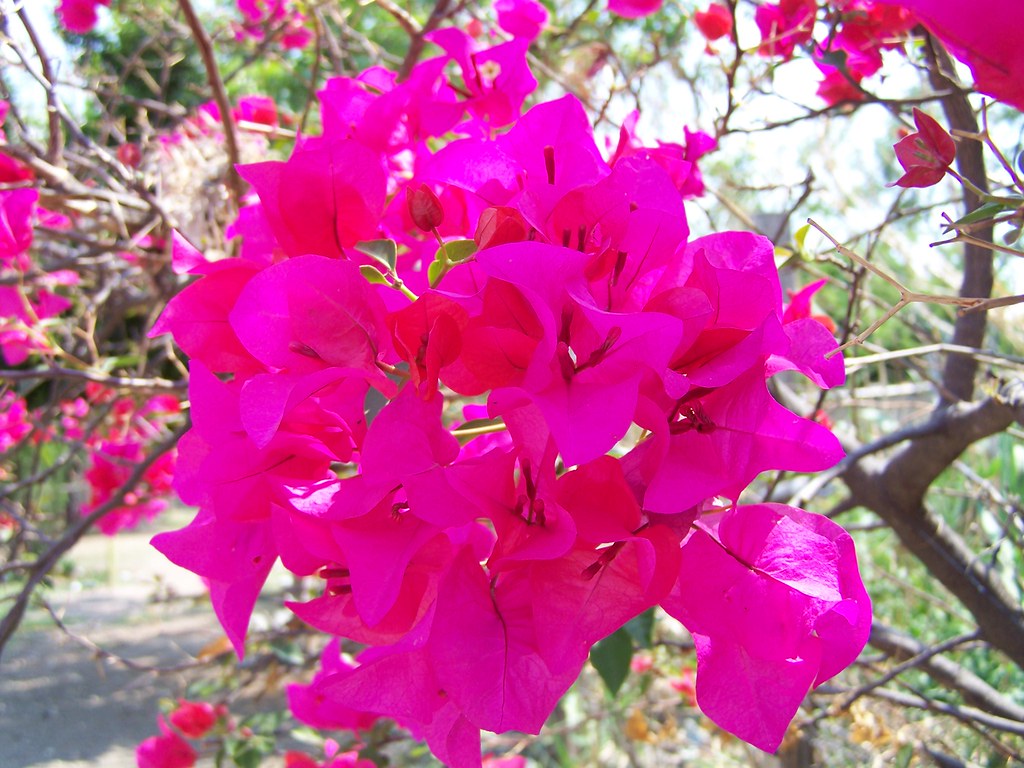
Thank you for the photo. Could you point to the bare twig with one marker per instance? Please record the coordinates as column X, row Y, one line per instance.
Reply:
column 48, row 561
column 219, row 95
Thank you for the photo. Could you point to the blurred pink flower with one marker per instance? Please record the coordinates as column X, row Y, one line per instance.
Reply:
column 79, row 16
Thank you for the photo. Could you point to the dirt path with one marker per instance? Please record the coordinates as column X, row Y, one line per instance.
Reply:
column 63, row 705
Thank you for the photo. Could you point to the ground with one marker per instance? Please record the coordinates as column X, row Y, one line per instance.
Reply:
column 62, row 705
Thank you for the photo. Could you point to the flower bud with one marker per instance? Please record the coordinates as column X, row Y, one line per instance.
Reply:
column 498, row 226
column 424, row 207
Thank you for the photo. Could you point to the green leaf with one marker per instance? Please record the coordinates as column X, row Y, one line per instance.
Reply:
column 384, row 251
column 641, row 628
column 800, row 237
column 981, row 213
column 434, row 272
column 458, row 250
column 306, row 735
column 247, row 757
column 835, row 58
column 372, row 274
column 611, row 658
column 288, row 652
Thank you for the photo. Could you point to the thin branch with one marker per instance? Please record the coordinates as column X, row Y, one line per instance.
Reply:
column 126, row 382
column 105, row 654
column 219, row 95
column 48, row 561
column 56, row 142
column 976, row 691
column 917, row 660
column 907, row 296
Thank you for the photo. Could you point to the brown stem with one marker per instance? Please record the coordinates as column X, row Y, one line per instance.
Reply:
column 417, row 38
column 49, row 560
column 969, row 329
column 895, row 490
column 56, row 143
column 219, row 95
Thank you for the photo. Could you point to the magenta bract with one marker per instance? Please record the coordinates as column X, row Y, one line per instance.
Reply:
column 614, row 377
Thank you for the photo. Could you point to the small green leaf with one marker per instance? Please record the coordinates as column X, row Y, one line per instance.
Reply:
column 611, row 658
column 306, row 735
column 288, row 653
column 372, row 274
column 835, row 58
column 384, row 251
column 247, row 757
column 981, row 213
column 800, row 237
column 641, row 628
column 458, row 251
column 434, row 273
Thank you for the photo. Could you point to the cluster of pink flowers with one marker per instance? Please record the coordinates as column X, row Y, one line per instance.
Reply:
column 985, row 36
column 856, row 32
column 25, row 306
column 80, row 16
column 489, row 392
column 278, row 17
column 172, row 749
column 30, row 300
column 124, row 440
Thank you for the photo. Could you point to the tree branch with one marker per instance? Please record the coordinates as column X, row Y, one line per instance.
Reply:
column 219, row 95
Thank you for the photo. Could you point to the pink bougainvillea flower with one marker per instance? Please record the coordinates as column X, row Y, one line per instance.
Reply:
column 839, row 86
column 497, row 79
column 926, row 154
column 19, row 318
column 521, row 18
column 233, row 558
column 168, row 750
column 260, row 14
column 678, row 161
column 111, row 464
column 399, row 682
column 310, row 706
column 17, row 210
column 195, row 718
column 506, row 682
column 257, row 109
column 79, row 16
column 784, row 26
column 585, row 374
column 326, row 197
column 868, row 27
column 715, row 22
column 799, row 307
column 198, row 315
column 634, row 9
column 715, row 444
column 308, row 313
column 812, row 342
column 986, row 39
column 14, row 420
column 335, row 759
column 775, row 604
column 515, row 761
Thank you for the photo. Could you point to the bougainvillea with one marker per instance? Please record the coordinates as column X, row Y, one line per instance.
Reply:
column 925, row 154
column 615, row 374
